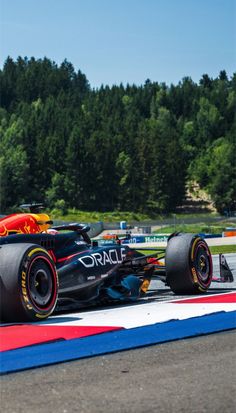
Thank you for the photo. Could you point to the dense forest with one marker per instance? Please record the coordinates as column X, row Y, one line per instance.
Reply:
column 121, row 147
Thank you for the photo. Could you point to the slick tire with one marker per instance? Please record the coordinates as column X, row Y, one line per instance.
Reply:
column 188, row 264
column 28, row 283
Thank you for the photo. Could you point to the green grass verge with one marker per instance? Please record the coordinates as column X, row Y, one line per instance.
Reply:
column 219, row 249
column 77, row 215
column 197, row 228
column 223, row 249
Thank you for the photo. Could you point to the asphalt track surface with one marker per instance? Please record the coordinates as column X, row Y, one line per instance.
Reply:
column 192, row 375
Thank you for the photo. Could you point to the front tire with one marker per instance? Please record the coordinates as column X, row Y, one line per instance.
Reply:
column 29, row 283
column 188, row 264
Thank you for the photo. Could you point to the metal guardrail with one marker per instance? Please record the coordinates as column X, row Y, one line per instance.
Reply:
column 174, row 220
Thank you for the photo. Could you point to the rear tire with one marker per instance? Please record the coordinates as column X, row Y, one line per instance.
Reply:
column 28, row 283
column 188, row 264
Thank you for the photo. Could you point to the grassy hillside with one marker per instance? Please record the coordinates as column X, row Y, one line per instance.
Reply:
column 94, row 216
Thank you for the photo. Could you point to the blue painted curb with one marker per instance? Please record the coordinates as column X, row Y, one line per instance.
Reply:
column 57, row 352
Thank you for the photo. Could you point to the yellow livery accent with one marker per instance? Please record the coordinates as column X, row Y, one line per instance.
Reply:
column 42, row 221
column 144, row 286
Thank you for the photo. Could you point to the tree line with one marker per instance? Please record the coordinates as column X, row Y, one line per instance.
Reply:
column 121, row 147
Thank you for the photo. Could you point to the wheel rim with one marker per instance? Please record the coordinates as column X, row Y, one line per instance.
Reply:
column 42, row 283
column 203, row 264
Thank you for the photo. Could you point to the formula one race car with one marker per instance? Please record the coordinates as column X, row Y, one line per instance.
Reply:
column 44, row 268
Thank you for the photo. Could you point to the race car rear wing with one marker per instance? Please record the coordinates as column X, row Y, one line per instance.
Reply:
column 34, row 207
column 81, row 229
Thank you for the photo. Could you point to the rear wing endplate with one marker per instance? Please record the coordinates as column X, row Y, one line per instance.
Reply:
column 226, row 275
